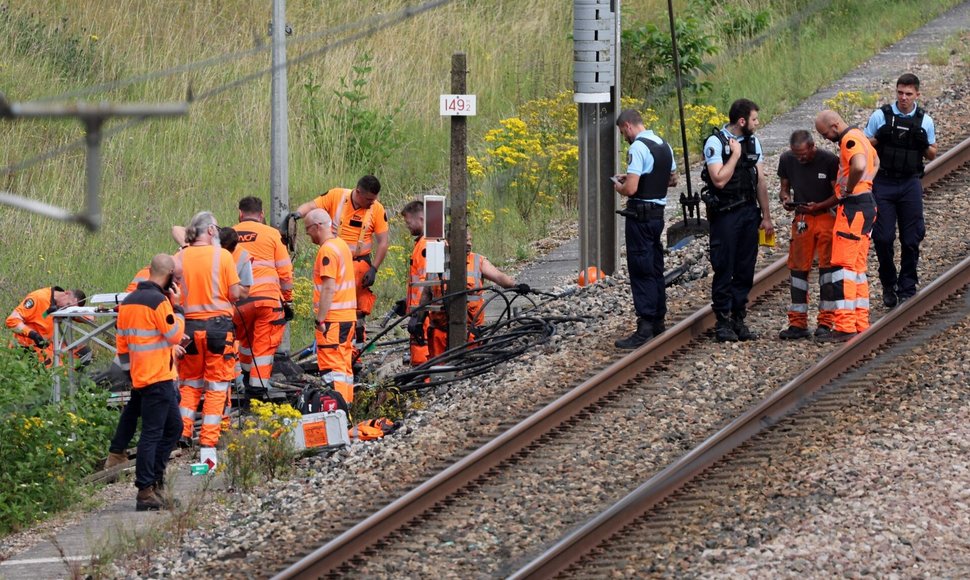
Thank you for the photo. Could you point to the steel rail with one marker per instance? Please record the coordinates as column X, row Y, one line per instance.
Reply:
column 419, row 500
column 397, row 514
column 572, row 547
column 755, row 420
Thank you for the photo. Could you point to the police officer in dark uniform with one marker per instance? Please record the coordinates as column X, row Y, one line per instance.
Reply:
column 734, row 191
column 903, row 135
column 650, row 171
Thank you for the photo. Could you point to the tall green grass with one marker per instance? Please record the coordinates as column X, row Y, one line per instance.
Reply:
column 163, row 171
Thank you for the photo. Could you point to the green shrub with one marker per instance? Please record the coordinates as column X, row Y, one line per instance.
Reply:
column 45, row 448
column 648, row 59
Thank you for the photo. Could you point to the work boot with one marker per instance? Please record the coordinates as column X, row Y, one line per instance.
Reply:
column 740, row 328
column 115, row 459
column 822, row 330
column 147, row 500
column 162, row 493
column 724, row 329
column 643, row 333
column 659, row 327
column 889, row 298
column 184, row 442
column 836, row 336
column 794, row 333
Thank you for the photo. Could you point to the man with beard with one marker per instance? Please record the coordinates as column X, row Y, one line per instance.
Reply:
column 736, row 195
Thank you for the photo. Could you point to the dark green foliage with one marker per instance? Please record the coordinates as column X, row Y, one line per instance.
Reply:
column 45, row 448
column 648, row 61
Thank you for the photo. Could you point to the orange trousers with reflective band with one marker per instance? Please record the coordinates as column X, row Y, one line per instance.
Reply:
column 335, row 351
column 203, row 371
column 850, row 254
column 260, row 330
column 811, row 236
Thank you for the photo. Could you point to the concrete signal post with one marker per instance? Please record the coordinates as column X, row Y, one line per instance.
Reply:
column 596, row 74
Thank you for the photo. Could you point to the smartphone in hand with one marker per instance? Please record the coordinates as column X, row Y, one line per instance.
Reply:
column 616, row 180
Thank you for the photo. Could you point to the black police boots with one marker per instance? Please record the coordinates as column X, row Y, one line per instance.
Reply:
column 740, row 328
column 643, row 333
column 724, row 329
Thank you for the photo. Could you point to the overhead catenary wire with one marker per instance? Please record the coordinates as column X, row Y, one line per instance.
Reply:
column 374, row 24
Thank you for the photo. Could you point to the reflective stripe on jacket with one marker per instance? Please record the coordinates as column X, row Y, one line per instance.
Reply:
column 334, row 261
column 207, row 274
column 272, row 268
column 148, row 328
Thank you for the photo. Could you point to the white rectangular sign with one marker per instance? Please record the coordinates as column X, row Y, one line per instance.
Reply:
column 458, row 105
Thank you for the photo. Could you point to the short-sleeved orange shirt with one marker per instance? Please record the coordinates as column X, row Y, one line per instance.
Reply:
column 354, row 226
column 334, row 261
column 852, row 143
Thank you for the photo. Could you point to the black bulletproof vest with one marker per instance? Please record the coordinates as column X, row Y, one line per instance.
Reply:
column 900, row 149
column 654, row 185
column 743, row 184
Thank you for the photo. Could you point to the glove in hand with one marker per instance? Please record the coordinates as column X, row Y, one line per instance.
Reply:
column 416, row 329
column 523, row 288
column 39, row 340
column 367, row 280
column 288, row 314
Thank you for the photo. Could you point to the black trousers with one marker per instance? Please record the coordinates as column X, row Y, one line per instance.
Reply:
column 161, row 424
column 645, row 261
column 127, row 423
column 734, row 253
column 899, row 201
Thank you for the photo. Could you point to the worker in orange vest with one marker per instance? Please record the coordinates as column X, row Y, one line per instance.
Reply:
column 361, row 221
column 856, row 214
column 210, row 286
column 413, row 214
column 477, row 269
column 150, row 325
column 334, row 303
column 33, row 327
column 263, row 315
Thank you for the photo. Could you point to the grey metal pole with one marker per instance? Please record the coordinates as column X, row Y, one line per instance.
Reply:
column 279, row 183
column 457, row 250
column 279, row 169
column 596, row 85
column 92, row 219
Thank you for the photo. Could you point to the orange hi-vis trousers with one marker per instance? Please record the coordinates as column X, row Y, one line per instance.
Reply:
column 259, row 328
column 208, row 366
column 850, row 253
column 811, row 236
column 335, row 349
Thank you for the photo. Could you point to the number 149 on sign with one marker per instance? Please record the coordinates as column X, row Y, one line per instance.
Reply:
column 457, row 105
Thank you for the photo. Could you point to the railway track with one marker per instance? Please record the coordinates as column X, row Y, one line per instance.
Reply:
column 450, row 503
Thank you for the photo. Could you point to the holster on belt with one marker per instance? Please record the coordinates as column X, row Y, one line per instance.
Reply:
column 640, row 211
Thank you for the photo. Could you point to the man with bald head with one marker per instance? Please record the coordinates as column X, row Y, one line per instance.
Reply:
column 150, row 324
column 856, row 214
column 334, row 303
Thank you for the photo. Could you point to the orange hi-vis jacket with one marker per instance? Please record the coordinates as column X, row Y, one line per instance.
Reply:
column 272, row 268
column 148, row 328
column 34, row 314
column 334, row 261
column 853, row 142
column 418, row 273
column 140, row 276
column 476, row 301
column 207, row 274
column 354, row 226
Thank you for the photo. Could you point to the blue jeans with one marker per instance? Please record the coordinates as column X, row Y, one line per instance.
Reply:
column 127, row 423
column 161, row 424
